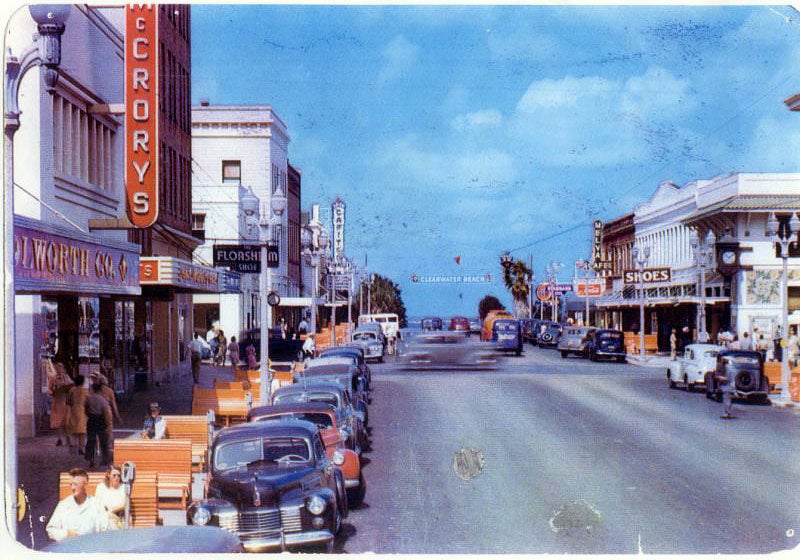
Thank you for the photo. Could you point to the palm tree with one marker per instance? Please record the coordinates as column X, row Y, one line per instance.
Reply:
column 516, row 277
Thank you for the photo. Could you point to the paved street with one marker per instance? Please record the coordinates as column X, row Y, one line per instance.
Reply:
column 630, row 464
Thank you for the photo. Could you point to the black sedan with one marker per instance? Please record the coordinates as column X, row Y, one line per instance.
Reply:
column 272, row 485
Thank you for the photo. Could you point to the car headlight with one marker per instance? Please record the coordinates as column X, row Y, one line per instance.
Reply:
column 201, row 516
column 338, row 457
column 316, row 505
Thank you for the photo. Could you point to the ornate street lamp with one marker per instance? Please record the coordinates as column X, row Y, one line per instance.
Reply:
column 313, row 252
column 640, row 259
column 784, row 239
column 703, row 254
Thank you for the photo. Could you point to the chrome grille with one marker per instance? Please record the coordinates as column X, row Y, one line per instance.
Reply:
column 257, row 524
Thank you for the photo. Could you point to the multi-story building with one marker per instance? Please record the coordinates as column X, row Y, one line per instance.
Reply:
column 236, row 149
column 734, row 208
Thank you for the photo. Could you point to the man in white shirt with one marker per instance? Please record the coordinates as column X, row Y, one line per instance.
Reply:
column 78, row 513
column 309, row 346
column 196, row 348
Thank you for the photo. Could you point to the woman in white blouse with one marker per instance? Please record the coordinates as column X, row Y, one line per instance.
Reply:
column 111, row 495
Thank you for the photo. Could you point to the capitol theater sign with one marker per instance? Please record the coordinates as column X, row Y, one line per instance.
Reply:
column 141, row 113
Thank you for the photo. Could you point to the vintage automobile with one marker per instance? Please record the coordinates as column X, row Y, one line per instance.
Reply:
column 342, row 370
column 459, row 323
column 527, row 326
column 272, row 485
column 324, row 416
column 431, row 324
column 549, row 333
column 152, row 540
column 507, row 335
column 374, row 347
column 280, row 349
column 475, row 326
column 337, row 396
column 377, row 329
column 575, row 340
column 356, row 353
column 746, row 367
column 446, row 349
column 489, row 319
column 691, row 367
column 607, row 343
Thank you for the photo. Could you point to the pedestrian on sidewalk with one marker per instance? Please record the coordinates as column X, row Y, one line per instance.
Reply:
column 309, row 346
column 233, row 351
column 222, row 349
column 196, row 347
column 746, row 342
column 108, row 394
column 673, row 345
column 78, row 513
column 252, row 363
column 58, row 387
column 76, row 421
column 154, row 426
column 98, row 415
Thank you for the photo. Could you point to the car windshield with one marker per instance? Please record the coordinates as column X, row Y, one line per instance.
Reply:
column 322, row 420
column 751, row 360
column 364, row 336
column 242, row 453
column 611, row 335
column 505, row 326
column 327, row 398
column 710, row 353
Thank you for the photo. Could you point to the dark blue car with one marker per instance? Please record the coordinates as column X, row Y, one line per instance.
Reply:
column 507, row 335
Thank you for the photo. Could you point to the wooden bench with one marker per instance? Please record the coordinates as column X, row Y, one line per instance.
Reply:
column 632, row 343
column 169, row 459
column 143, row 499
column 229, row 405
column 230, row 385
column 194, row 428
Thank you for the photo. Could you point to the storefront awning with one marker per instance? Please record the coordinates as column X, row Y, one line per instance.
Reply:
column 287, row 301
column 54, row 259
column 181, row 275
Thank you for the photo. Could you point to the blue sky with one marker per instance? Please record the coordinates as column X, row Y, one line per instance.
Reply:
column 473, row 130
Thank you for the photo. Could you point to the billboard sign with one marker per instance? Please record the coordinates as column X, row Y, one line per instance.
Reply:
column 141, row 113
column 588, row 287
column 597, row 246
column 337, row 211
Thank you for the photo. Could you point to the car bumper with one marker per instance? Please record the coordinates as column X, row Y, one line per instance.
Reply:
column 352, row 483
column 610, row 353
column 285, row 542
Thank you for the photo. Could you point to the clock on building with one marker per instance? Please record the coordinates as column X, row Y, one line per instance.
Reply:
column 728, row 256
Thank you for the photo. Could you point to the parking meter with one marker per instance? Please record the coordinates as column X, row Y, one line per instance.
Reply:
column 128, row 476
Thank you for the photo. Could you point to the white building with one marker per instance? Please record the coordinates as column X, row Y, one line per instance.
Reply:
column 235, row 148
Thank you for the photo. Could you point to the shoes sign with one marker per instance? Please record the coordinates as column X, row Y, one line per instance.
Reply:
column 648, row 276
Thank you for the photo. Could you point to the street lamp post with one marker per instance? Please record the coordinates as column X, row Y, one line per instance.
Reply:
column 553, row 269
column 703, row 252
column 506, row 261
column 784, row 239
column 639, row 259
column 45, row 52
column 315, row 247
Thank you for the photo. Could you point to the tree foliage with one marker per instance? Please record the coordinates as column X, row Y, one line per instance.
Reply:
column 381, row 295
column 488, row 303
column 516, row 278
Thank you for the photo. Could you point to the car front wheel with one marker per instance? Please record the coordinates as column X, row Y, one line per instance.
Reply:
column 686, row 386
column 564, row 354
column 670, row 381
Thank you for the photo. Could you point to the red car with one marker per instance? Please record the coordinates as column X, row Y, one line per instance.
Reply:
column 459, row 324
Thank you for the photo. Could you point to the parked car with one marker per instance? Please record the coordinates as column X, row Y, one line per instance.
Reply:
column 334, row 394
column 607, row 343
column 342, row 370
column 272, row 485
column 374, row 346
column 475, row 326
column 431, row 324
column 446, row 349
column 575, row 340
column 549, row 333
column 377, row 329
column 691, row 367
column 160, row 539
column 746, row 367
column 536, row 330
column 334, row 438
column 356, row 353
column 526, row 325
column 507, row 334
column 489, row 319
column 280, row 349
column 459, row 323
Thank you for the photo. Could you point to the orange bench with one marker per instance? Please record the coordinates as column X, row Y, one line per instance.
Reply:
column 229, row 405
column 195, row 428
column 143, row 498
column 632, row 343
column 169, row 459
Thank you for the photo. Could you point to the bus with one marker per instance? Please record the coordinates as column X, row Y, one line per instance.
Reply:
column 389, row 322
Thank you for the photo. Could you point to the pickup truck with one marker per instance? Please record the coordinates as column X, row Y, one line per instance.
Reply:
column 280, row 349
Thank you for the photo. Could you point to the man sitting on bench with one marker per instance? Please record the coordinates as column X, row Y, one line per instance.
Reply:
column 155, row 427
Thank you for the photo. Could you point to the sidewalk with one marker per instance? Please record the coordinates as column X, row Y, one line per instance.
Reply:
column 39, row 461
column 650, row 360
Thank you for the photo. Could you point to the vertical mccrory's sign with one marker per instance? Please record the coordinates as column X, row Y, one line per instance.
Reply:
column 141, row 113
column 337, row 213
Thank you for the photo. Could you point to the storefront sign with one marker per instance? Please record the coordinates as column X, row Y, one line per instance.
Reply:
column 51, row 259
column 230, row 282
column 245, row 258
column 588, row 287
column 543, row 292
column 141, row 113
column 177, row 273
column 337, row 211
column 597, row 247
column 649, row 275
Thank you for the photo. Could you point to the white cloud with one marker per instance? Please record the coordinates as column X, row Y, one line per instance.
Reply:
column 487, row 118
column 593, row 120
column 399, row 56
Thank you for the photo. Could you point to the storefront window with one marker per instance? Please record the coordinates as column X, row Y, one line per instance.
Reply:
column 88, row 335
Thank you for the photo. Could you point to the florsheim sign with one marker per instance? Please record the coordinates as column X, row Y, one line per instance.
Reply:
column 245, row 258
